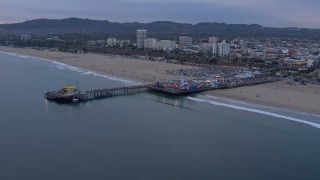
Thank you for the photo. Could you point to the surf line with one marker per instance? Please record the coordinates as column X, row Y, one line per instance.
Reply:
column 316, row 125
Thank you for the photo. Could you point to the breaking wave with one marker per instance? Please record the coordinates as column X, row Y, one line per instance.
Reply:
column 63, row 66
column 88, row 72
column 316, row 125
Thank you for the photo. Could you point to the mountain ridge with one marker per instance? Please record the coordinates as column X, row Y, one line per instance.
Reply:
column 79, row 25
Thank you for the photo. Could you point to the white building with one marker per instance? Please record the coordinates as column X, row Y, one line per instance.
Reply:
column 165, row 45
column 123, row 43
column 223, row 49
column 310, row 62
column 185, row 42
column 112, row 41
column 214, row 49
column 150, row 43
column 285, row 51
column 141, row 36
column 25, row 37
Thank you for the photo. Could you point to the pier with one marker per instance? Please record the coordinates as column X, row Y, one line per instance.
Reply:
column 182, row 92
column 71, row 94
column 59, row 97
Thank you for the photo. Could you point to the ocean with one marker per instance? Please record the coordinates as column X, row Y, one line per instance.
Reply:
column 143, row 136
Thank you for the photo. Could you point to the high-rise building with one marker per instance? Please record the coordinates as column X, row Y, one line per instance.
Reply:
column 141, row 36
column 223, row 49
column 185, row 42
column 214, row 49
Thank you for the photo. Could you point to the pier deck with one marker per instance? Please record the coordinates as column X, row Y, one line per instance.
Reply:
column 181, row 92
column 95, row 94
column 110, row 92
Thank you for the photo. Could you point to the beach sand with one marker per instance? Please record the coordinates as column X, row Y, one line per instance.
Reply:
column 279, row 94
column 142, row 70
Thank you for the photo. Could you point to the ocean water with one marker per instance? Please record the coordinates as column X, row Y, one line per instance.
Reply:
column 143, row 136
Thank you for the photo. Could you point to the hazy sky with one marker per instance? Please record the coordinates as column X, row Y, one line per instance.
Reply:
column 276, row 13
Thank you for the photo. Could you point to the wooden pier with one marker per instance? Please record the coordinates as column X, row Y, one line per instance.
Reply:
column 95, row 94
column 179, row 93
column 78, row 96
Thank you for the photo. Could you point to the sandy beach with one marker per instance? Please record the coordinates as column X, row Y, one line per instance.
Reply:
column 279, row 94
column 144, row 71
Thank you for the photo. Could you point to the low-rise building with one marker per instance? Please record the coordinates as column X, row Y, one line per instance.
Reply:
column 25, row 37
column 165, row 45
column 206, row 47
column 185, row 42
column 112, row 41
column 149, row 43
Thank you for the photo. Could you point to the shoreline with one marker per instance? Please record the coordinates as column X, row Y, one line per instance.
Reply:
column 316, row 113
column 132, row 69
column 303, row 98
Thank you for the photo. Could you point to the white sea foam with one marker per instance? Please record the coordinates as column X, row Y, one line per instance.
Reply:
column 87, row 72
column 63, row 66
column 261, row 106
column 19, row 55
column 316, row 125
column 13, row 54
column 22, row 56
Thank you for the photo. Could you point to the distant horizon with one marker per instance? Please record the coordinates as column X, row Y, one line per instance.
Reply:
column 268, row 13
column 152, row 22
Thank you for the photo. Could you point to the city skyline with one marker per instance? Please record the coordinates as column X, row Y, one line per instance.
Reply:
column 287, row 13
